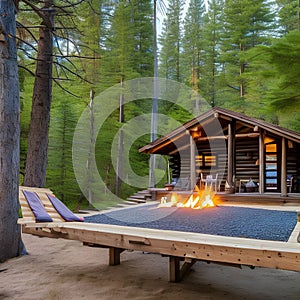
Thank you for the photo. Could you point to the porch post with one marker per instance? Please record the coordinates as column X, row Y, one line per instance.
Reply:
column 231, row 155
column 283, row 168
column 261, row 160
column 192, row 162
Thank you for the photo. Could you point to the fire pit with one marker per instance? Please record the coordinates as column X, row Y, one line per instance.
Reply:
column 197, row 200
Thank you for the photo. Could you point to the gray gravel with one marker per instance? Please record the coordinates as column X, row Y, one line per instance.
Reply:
column 223, row 220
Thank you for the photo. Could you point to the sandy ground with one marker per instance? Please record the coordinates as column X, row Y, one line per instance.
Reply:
column 63, row 269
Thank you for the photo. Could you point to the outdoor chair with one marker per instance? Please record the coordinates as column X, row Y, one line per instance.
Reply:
column 41, row 205
column 208, row 181
column 289, row 183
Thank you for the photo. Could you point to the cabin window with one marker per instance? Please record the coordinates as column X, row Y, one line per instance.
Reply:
column 271, row 167
column 207, row 160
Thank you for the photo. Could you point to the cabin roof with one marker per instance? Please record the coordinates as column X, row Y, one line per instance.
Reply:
column 223, row 116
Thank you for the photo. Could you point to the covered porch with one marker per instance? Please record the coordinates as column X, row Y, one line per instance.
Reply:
column 239, row 154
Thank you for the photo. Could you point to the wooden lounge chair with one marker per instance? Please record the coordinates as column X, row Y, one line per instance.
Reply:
column 41, row 205
column 182, row 248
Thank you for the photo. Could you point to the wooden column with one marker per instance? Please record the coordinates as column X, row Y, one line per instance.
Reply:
column 261, row 161
column 283, row 168
column 177, row 272
column 231, row 155
column 192, row 162
column 115, row 256
column 174, row 269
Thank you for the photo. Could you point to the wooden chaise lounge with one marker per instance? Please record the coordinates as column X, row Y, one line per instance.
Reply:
column 182, row 248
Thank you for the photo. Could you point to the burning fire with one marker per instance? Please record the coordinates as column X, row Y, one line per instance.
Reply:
column 200, row 199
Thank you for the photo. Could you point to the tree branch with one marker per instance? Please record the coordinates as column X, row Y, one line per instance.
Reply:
column 39, row 12
column 26, row 69
column 64, row 89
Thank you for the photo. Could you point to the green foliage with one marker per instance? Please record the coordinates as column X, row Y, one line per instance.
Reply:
column 192, row 44
column 60, row 174
column 210, row 85
column 127, row 52
column 171, row 42
column 246, row 25
column 288, row 15
column 274, row 77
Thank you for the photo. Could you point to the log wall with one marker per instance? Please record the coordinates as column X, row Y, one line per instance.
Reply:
column 246, row 162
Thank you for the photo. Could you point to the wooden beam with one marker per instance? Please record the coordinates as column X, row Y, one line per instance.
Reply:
column 215, row 137
column 231, row 154
column 241, row 251
column 162, row 144
column 225, row 118
column 115, row 256
column 179, row 149
column 174, row 269
column 192, row 162
column 247, row 135
column 261, row 162
column 283, row 168
column 237, row 136
column 176, row 272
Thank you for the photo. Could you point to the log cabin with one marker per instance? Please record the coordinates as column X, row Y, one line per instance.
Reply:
column 236, row 150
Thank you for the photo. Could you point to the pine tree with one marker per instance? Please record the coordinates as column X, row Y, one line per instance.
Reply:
column 127, row 54
column 36, row 161
column 285, row 58
column 192, row 46
column 127, row 48
column 247, row 24
column 209, row 84
column 170, row 41
column 89, row 42
column 289, row 15
column 143, row 36
column 273, row 78
column 60, row 174
column 10, row 231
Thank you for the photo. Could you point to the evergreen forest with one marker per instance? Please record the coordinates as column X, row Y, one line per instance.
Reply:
column 238, row 54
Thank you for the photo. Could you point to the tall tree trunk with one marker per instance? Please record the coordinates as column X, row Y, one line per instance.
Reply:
column 37, row 154
column 10, row 232
column 154, row 120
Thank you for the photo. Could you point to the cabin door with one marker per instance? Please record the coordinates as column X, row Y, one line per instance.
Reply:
column 272, row 171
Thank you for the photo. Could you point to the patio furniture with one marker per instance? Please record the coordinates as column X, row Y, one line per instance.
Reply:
column 209, row 180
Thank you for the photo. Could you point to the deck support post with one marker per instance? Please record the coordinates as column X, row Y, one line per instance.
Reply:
column 176, row 272
column 114, row 256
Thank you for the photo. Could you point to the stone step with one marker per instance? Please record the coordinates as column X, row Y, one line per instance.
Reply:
column 129, row 202
column 138, row 196
column 143, row 192
column 123, row 205
column 137, row 200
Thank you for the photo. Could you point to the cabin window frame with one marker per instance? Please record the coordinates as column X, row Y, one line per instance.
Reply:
column 207, row 160
column 272, row 165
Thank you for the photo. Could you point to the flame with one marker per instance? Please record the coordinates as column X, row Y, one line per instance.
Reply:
column 197, row 200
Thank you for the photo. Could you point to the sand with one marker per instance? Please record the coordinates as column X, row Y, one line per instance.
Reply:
column 63, row 269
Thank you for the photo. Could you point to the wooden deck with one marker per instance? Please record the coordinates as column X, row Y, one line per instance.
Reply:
column 266, row 198
column 178, row 246
column 182, row 248
column 251, row 198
